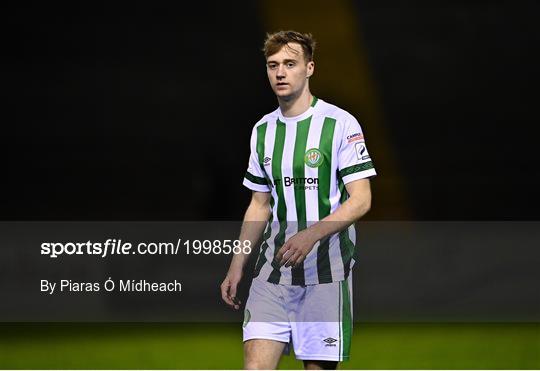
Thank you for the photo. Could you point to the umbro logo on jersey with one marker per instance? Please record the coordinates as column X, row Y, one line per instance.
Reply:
column 330, row 342
column 267, row 161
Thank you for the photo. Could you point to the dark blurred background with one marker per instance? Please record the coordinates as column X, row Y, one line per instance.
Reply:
column 144, row 112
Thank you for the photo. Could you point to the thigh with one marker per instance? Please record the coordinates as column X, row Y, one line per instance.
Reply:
column 266, row 329
column 323, row 329
column 262, row 354
column 264, row 315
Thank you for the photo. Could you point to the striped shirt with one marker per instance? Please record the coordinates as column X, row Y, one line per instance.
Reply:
column 305, row 162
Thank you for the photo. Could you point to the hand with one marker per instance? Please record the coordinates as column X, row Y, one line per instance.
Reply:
column 295, row 250
column 229, row 286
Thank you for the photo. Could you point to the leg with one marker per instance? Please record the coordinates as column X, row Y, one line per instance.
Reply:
column 266, row 329
column 320, row 365
column 262, row 354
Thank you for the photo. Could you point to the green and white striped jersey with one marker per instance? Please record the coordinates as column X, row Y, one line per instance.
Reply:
column 305, row 162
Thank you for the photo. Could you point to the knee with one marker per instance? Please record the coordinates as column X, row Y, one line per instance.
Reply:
column 262, row 354
column 254, row 361
column 320, row 365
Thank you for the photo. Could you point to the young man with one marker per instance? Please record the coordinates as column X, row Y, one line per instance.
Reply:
column 308, row 170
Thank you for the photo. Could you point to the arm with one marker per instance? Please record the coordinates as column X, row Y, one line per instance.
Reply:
column 356, row 206
column 255, row 219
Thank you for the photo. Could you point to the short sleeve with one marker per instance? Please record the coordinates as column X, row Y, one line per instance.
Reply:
column 255, row 178
column 354, row 159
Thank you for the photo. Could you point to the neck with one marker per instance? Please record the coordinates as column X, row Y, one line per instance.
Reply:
column 294, row 106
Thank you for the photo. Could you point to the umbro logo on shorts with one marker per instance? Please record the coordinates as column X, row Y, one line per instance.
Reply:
column 330, row 342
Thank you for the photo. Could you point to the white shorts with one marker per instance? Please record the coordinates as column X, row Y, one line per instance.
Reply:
column 316, row 318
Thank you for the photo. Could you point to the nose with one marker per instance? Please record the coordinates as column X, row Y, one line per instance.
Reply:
column 280, row 73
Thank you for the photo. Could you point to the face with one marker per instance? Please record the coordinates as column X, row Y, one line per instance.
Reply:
column 288, row 71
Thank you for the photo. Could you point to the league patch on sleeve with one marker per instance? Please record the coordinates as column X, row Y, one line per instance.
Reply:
column 361, row 151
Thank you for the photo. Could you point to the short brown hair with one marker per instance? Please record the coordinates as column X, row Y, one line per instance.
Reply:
column 277, row 40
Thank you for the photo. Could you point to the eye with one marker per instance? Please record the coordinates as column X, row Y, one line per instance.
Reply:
column 291, row 64
column 272, row 66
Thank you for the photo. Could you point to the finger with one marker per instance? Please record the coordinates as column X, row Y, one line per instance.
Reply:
column 288, row 259
column 298, row 261
column 293, row 260
column 225, row 294
column 282, row 251
column 286, row 256
column 236, row 302
column 232, row 291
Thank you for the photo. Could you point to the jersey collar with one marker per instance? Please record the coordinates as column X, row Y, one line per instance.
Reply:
column 300, row 117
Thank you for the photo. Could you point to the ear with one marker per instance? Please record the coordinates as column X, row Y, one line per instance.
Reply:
column 310, row 68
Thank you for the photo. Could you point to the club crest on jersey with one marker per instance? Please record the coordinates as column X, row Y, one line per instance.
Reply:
column 313, row 157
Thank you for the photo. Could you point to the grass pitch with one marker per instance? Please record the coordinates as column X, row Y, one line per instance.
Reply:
column 219, row 346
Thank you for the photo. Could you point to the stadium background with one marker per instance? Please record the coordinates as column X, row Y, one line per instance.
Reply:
column 144, row 113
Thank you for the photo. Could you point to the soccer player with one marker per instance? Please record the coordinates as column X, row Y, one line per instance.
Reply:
column 309, row 171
